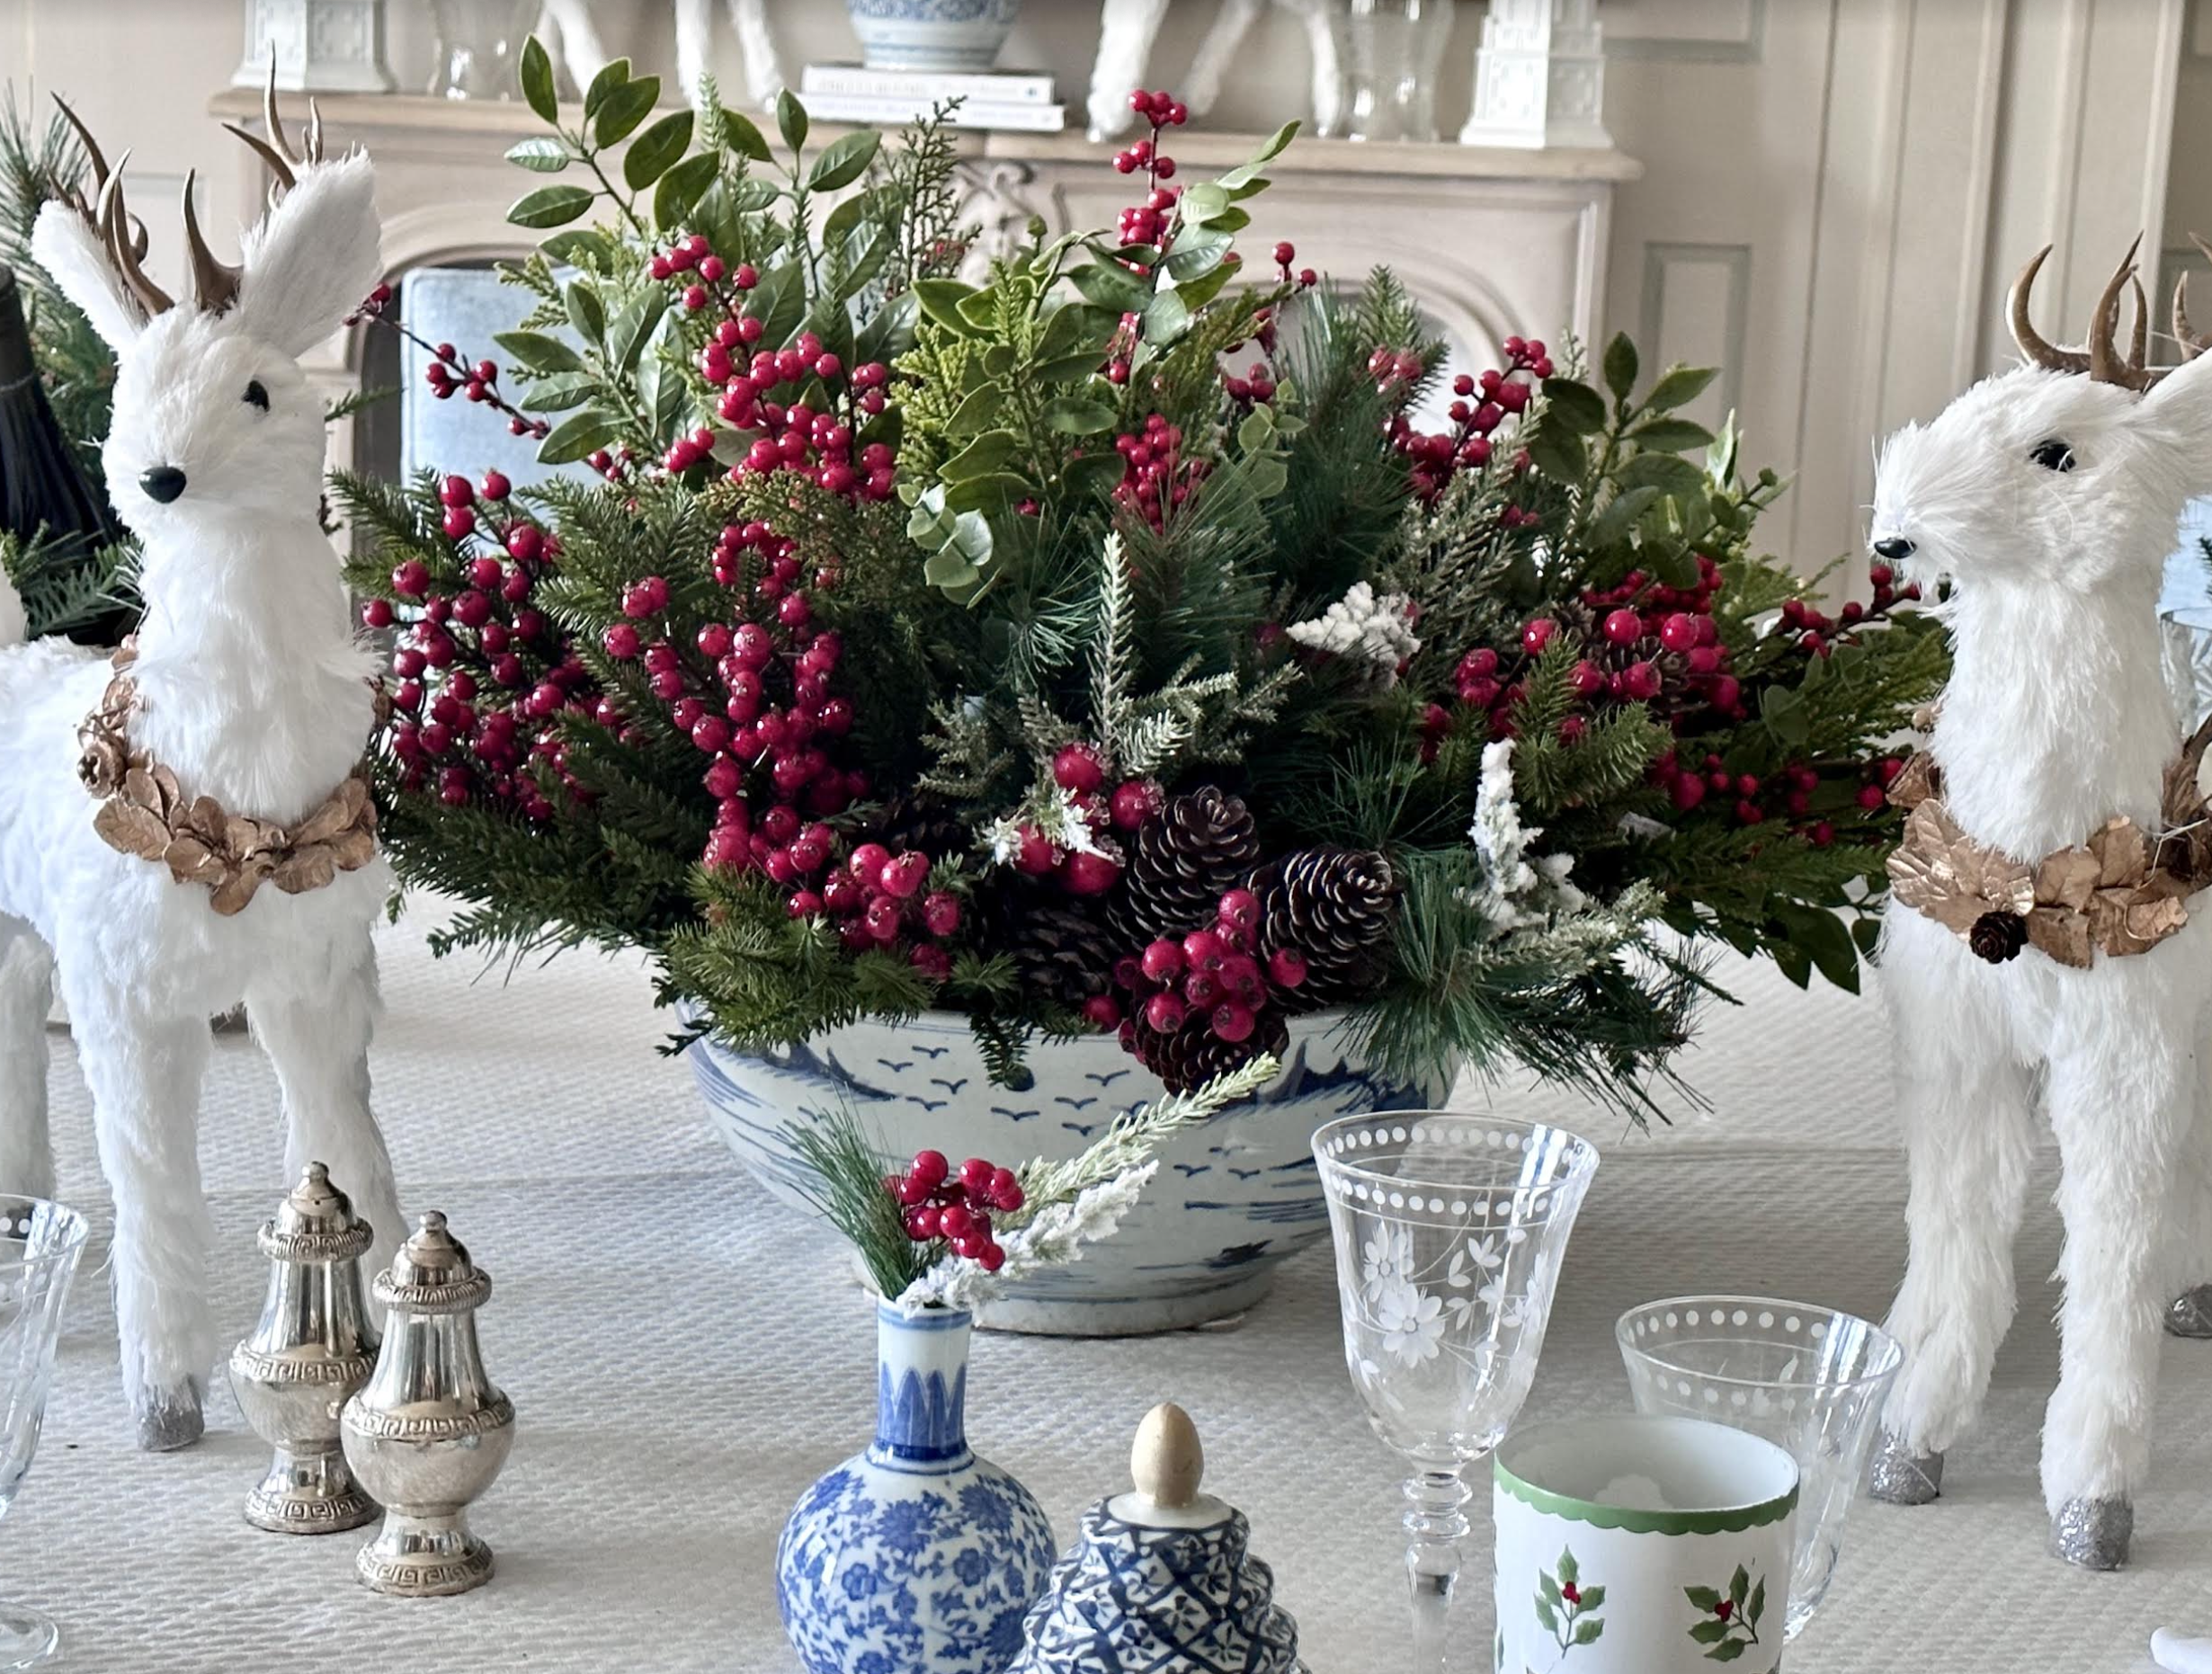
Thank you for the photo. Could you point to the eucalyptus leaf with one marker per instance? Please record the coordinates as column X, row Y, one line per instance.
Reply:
column 1578, row 406
column 1074, row 415
column 658, row 150
column 550, row 206
column 535, row 72
column 1166, row 318
column 1200, row 203
column 1075, row 327
column 745, row 138
column 573, row 438
column 1112, row 287
column 1067, row 367
column 1671, row 435
column 978, row 412
column 791, row 119
column 1276, row 143
column 1198, row 250
column 1679, row 386
column 586, row 312
column 618, row 116
column 612, row 77
column 1615, row 523
column 1665, row 471
column 845, row 161
column 982, row 456
column 583, row 246
column 679, row 190
column 539, row 352
column 1094, row 476
column 939, row 300
column 540, row 154
column 1621, row 364
column 1557, row 454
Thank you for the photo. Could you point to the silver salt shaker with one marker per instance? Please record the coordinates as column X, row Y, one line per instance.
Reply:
column 314, row 1347
column 429, row 1432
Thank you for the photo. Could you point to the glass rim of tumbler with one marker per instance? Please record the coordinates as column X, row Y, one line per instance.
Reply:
column 71, row 1229
column 1891, row 1361
column 1580, row 1157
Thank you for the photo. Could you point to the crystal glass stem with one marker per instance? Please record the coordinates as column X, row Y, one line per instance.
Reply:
column 1435, row 1524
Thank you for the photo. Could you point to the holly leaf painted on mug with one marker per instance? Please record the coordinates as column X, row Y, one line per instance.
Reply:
column 1705, row 1632
column 1728, row 1652
column 1586, row 1632
column 1703, row 1598
column 1550, row 1587
column 1758, row 1605
column 1594, row 1598
column 1569, row 1571
column 1544, row 1615
column 1739, row 1585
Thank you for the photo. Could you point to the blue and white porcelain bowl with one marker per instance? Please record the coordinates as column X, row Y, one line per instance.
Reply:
column 1232, row 1201
column 963, row 35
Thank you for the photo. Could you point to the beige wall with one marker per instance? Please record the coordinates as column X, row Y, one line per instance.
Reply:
column 1837, row 191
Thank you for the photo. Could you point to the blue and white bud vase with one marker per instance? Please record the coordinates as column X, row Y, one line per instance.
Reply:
column 914, row 1557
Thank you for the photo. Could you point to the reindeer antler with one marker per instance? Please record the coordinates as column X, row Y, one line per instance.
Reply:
column 113, row 220
column 276, row 151
column 215, row 283
column 2101, row 360
column 2193, row 345
column 75, row 199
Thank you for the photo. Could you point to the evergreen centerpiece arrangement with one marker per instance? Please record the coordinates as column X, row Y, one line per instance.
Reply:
column 1096, row 637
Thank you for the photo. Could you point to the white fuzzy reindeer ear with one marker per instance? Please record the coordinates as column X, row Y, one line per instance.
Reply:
column 62, row 242
column 310, row 260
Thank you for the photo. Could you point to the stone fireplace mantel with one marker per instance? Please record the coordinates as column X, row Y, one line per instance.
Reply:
column 1494, row 241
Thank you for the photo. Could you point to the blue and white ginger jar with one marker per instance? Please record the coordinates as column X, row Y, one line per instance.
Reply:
column 944, row 35
column 914, row 1557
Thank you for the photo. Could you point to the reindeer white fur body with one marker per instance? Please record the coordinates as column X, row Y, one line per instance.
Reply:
column 2056, row 719
column 253, row 691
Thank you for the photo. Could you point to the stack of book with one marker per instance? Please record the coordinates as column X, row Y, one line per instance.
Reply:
column 850, row 92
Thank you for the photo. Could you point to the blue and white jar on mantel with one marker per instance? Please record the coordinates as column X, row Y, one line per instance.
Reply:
column 962, row 36
column 916, row 1556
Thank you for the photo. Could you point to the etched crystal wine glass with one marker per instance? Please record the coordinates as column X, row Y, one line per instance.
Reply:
column 1449, row 1229
column 1812, row 1380
column 39, row 1244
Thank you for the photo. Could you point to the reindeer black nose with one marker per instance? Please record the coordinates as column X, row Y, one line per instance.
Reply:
column 163, row 483
column 1897, row 549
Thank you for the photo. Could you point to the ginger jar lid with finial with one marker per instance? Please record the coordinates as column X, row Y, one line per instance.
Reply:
column 1163, row 1577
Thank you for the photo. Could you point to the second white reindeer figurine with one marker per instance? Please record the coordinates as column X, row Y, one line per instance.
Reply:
column 189, row 828
column 2045, row 942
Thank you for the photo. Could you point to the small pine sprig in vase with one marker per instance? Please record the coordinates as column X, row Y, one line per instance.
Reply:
column 931, row 1236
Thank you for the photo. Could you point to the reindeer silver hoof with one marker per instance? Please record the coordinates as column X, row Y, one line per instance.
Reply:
column 2189, row 1315
column 1898, row 1478
column 170, row 1419
column 2093, row 1534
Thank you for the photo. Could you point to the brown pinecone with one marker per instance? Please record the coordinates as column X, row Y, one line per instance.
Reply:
column 910, row 823
column 1180, row 861
column 1335, row 907
column 1194, row 1055
column 1061, row 950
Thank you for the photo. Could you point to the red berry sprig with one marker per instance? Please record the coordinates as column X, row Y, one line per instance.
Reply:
column 1157, row 479
column 956, row 1209
column 1479, row 407
column 482, row 678
column 1080, row 771
column 449, row 370
column 1151, row 224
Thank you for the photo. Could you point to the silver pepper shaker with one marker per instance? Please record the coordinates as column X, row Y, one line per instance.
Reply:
column 429, row 1432
column 314, row 1347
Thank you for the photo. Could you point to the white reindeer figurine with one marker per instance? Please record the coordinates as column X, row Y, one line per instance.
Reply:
column 188, row 830
column 2059, row 831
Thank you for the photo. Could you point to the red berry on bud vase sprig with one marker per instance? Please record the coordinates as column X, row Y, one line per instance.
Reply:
column 936, row 1205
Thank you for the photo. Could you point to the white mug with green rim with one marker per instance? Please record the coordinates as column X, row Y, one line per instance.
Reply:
column 1641, row 1545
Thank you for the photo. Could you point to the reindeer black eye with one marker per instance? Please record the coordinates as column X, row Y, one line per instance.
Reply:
column 2052, row 455
column 255, row 395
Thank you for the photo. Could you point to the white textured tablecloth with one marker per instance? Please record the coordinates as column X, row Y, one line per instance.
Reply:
column 685, row 1358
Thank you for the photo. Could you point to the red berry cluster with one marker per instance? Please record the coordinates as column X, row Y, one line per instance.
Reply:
column 1151, row 223
column 1157, row 479
column 1211, row 973
column 754, row 695
column 448, row 370
column 1081, row 771
column 878, row 899
column 938, row 1204
column 767, row 390
column 1479, row 407
column 1286, row 253
column 482, row 677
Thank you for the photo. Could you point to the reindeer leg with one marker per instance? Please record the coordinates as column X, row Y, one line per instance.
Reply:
column 1217, row 51
column 2191, row 1212
column 26, row 995
column 1966, row 1103
column 317, row 1035
column 1127, row 30
column 144, row 1073
column 2122, row 1096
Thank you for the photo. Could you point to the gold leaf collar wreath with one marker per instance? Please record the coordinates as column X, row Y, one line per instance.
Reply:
column 143, row 812
column 2123, row 891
